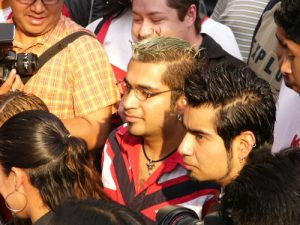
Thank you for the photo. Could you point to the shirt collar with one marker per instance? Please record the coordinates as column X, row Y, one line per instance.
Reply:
column 212, row 48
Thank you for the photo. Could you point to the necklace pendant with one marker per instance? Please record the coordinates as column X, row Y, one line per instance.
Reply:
column 150, row 165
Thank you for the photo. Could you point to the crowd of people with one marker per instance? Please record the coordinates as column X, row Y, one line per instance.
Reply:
column 154, row 103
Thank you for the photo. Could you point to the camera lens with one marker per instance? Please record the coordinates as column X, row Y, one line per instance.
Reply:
column 176, row 215
column 27, row 64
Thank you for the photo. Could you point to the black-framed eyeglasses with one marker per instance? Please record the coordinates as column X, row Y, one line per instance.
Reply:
column 45, row 2
column 140, row 93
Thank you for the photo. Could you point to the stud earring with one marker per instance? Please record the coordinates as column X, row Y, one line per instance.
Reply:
column 242, row 159
column 179, row 117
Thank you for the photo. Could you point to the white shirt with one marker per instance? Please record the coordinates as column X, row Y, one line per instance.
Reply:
column 223, row 35
column 117, row 42
column 118, row 39
column 4, row 13
column 287, row 126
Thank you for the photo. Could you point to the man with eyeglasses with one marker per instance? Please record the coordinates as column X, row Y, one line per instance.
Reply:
column 141, row 166
column 77, row 84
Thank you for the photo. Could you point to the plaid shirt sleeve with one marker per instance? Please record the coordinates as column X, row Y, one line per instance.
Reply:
column 94, row 83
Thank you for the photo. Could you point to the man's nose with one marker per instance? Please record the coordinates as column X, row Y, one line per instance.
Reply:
column 129, row 100
column 185, row 147
column 146, row 31
column 38, row 6
column 285, row 65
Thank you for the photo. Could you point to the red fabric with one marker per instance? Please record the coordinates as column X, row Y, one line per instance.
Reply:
column 103, row 31
column 169, row 174
column 65, row 11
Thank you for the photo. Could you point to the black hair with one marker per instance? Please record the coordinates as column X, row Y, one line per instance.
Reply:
column 94, row 212
column 182, row 7
column 57, row 164
column 244, row 101
column 287, row 17
column 266, row 192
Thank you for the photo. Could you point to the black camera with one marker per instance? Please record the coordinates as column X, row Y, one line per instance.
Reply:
column 26, row 64
column 177, row 215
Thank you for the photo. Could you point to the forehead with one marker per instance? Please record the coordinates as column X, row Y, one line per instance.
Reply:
column 285, row 42
column 151, row 7
column 146, row 74
column 200, row 118
column 280, row 36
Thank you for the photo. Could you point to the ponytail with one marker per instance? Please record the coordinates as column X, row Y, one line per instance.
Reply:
column 58, row 165
column 87, row 181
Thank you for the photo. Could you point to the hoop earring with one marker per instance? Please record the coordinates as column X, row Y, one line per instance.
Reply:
column 15, row 211
column 254, row 145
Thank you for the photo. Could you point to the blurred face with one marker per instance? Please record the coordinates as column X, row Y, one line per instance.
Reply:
column 151, row 116
column 203, row 150
column 152, row 18
column 37, row 18
column 288, row 53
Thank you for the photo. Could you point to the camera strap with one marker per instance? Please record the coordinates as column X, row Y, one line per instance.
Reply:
column 60, row 45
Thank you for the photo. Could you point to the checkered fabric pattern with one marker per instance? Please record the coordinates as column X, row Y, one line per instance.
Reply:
column 76, row 81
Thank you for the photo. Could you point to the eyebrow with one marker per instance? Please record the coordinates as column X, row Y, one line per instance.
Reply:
column 142, row 86
column 193, row 131
column 280, row 41
column 149, row 13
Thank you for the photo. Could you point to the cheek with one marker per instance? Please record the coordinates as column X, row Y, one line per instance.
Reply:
column 212, row 155
column 296, row 68
column 134, row 31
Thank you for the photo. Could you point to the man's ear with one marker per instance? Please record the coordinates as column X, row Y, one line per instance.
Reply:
column 247, row 143
column 191, row 15
column 181, row 104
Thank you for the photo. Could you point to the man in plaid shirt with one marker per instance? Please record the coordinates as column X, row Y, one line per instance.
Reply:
column 77, row 84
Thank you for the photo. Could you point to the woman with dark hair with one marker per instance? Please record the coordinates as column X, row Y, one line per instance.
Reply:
column 94, row 212
column 41, row 165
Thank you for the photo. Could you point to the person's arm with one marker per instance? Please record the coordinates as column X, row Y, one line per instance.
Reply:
column 95, row 92
column 12, row 83
column 93, row 128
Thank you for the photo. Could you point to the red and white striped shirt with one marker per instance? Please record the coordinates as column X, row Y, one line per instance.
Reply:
column 168, row 185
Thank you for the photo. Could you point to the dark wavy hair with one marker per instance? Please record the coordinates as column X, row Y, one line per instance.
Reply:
column 57, row 164
column 244, row 101
column 266, row 192
column 94, row 212
column 287, row 17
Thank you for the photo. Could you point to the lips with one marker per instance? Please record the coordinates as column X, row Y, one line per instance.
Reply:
column 131, row 118
column 36, row 20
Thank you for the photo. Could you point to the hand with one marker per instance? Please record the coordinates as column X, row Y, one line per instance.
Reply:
column 12, row 83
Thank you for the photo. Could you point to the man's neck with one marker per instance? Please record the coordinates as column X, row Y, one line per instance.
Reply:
column 196, row 41
column 4, row 4
column 159, row 146
column 23, row 38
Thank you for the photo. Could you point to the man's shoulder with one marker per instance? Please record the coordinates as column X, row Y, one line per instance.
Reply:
column 66, row 27
column 215, row 53
column 71, row 27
